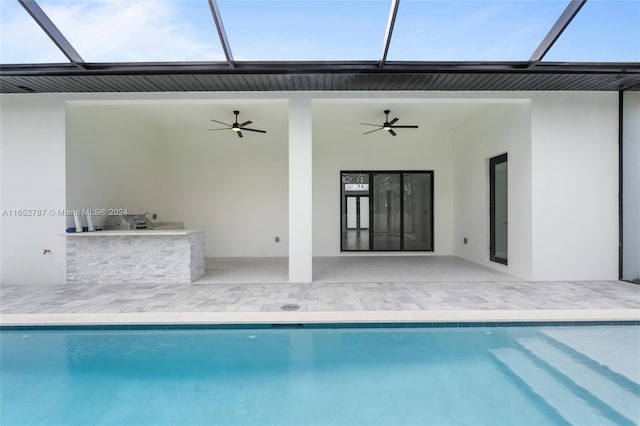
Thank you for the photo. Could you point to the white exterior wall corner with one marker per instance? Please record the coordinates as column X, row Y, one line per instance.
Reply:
column 498, row 129
column 574, row 141
column 631, row 186
column 33, row 177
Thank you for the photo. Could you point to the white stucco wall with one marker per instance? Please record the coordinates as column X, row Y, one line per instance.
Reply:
column 498, row 129
column 631, row 186
column 574, row 228
column 33, row 177
column 574, row 143
column 339, row 145
column 145, row 159
column 33, row 168
column 112, row 161
column 235, row 189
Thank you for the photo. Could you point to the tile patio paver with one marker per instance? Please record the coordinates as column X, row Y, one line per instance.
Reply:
column 318, row 297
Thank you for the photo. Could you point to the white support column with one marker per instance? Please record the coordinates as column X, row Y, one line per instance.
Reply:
column 300, row 190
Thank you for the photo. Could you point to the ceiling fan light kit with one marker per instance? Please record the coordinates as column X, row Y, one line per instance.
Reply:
column 388, row 125
column 236, row 127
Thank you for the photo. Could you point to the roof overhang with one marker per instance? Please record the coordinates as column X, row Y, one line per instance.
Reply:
column 317, row 76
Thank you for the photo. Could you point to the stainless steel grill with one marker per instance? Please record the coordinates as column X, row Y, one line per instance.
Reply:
column 127, row 222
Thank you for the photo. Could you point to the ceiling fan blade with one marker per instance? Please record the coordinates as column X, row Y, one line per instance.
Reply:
column 224, row 128
column 371, row 131
column 393, row 121
column 392, row 132
column 239, row 134
column 404, row 127
column 220, row 122
column 254, row 130
column 367, row 124
column 246, row 123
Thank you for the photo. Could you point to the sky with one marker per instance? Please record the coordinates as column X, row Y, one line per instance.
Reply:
column 425, row 30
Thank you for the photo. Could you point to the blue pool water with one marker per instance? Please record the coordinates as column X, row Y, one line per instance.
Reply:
column 388, row 376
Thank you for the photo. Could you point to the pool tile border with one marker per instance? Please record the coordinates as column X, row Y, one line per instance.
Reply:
column 318, row 326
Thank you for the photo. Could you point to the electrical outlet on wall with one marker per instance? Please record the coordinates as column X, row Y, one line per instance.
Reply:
column 277, row 239
column 465, row 240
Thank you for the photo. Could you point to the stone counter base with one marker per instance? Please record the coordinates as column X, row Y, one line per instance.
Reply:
column 135, row 259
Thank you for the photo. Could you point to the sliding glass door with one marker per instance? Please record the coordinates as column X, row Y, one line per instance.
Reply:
column 498, row 209
column 417, row 211
column 386, row 211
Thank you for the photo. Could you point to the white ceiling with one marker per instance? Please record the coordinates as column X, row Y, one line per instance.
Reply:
column 268, row 115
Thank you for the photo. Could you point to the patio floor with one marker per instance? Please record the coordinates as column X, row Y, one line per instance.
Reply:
column 351, row 269
column 319, row 302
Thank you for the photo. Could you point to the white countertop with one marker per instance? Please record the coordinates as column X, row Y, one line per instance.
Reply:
column 138, row 233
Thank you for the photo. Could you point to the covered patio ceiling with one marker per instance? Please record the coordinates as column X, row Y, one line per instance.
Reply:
column 496, row 60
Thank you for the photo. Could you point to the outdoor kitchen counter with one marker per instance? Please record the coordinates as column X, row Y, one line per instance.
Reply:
column 136, row 232
column 137, row 256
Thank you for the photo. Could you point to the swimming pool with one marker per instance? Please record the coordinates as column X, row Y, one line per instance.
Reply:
column 384, row 376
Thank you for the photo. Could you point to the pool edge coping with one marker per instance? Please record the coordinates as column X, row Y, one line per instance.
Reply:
column 318, row 317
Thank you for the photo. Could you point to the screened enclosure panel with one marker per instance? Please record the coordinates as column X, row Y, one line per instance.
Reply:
column 305, row 30
column 603, row 31
column 22, row 41
column 150, row 31
column 472, row 30
column 137, row 31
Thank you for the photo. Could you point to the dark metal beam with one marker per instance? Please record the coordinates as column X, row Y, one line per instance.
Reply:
column 387, row 36
column 52, row 31
column 217, row 18
column 321, row 67
column 558, row 28
column 621, row 185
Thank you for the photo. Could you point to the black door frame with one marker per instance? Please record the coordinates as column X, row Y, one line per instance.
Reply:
column 370, row 173
column 493, row 162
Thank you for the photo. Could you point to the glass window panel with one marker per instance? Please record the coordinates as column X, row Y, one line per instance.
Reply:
column 603, row 31
column 455, row 30
column 417, row 211
column 305, row 29
column 355, row 212
column 499, row 209
column 137, row 31
column 352, row 212
column 22, row 41
column 386, row 211
column 364, row 212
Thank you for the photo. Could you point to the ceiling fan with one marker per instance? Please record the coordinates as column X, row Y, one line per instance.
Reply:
column 238, row 127
column 388, row 125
